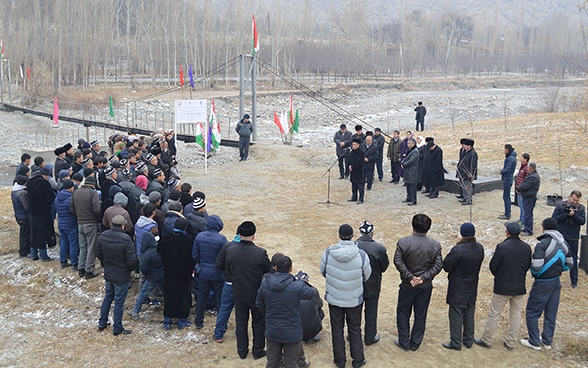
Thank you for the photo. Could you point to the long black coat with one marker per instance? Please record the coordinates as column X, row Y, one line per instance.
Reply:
column 176, row 254
column 41, row 196
column 463, row 266
column 379, row 262
column 371, row 153
column 434, row 174
column 356, row 163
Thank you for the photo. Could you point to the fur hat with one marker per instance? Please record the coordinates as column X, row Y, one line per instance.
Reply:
column 246, row 228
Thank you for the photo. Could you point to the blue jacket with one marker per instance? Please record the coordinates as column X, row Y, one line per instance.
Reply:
column 278, row 298
column 143, row 226
column 170, row 221
column 510, row 165
column 551, row 257
column 206, row 248
column 151, row 264
column 65, row 219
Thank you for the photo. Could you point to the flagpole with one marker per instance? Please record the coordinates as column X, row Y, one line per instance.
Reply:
column 206, row 142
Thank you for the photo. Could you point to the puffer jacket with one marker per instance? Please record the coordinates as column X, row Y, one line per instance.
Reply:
column 278, row 298
column 116, row 252
column 346, row 268
column 65, row 219
column 206, row 248
column 143, row 226
column 20, row 202
column 551, row 257
column 151, row 264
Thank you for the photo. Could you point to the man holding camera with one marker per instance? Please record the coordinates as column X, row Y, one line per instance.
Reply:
column 570, row 216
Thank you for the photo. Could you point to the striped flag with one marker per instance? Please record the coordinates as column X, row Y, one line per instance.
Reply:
column 215, row 133
column 200, row 139
column 255, row 35
column 28, row 72
column 181, row 76
column 111, row 107
column 55, row 111
column 1, row 48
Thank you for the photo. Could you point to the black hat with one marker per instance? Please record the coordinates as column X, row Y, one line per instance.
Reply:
column 342, row 126
column 356, row 140
column 45, row 171
column 378, row 130
column 247, row 228
column 366, row 228
column 467, row 141
column 181, row 224
column 149, row 157
column 513, row 228
column 467, row 229
column 358, row 127
column 246, row 116
column 23, row 170
column 93, row 143
column 198, row 203
column 549, row 224
column 88, row 172
column 462, row 141
column 155, row 150
column 58, row 151
column 22, row 179
column 345, row 232
column 77, row 176
column 67, row 147
column 67, row 184
column 109, row 171
column 90, row 180
column 156, row 172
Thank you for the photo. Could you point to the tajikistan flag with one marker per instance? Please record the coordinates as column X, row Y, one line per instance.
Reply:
column 215, row 133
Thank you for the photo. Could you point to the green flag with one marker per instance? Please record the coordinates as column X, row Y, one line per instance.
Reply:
column 295, row 125
column 111, row 107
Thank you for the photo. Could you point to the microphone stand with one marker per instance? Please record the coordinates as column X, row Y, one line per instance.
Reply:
column 329, row 183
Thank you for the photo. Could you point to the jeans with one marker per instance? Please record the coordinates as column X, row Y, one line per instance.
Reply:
column 24, row 238
column 68, row 245
column 410, row 299
column 528, row 206
column 88, row 239
column 118, row 294
column 521, row 208
column 461, row 325
column 224, row 311
column 514, row 310
column 370, row 311
column 204, row 287
column 244, row 147
column 38, row 253
column 543, row 299
column 506, row 185
column 242, row 311
column 352, row 316
column 379, row 167
column 411, row 192
column 276, row 350
column 573, row 243
column 147, row 287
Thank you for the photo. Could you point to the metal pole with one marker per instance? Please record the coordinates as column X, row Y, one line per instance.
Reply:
column 241, row 87
column 9, row 90
column 2, row 81
column 253, row 97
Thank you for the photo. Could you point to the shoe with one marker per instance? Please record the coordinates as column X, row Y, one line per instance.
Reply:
column 392, row 181
column 503, row 217
column 314, row 340
column 352, row 200
column 359, row 202
column 134, row 315
column 74, row 267
column 261, row 355
column 466, row 203
column 527, row 344
column 34, row 258
column 361, row 364
column 64, row 265
column 341, row 177
column 508, row 347
column 526, row 233
column 397, row 343
column 574, row 286
column 212, row 312
column 154, row 302
column 375, row 340
column 481, row 343
column 243, row 356
column 547, row 347
column 123, row 332
column 368, row 188
column 469, row 346
column 405, row 201
column 396, row 182
column 81, row 273
column 380, row 179
column 450, row 346
column 219, row 340
column 182, row 326
column 90, row 275
column 411, row 204
column 48, row 259
column 102, row 328
column 240, row 160
column 167, row 326
column 304, row 365
column 433, row 196
column 198, row 327
column 459, row 196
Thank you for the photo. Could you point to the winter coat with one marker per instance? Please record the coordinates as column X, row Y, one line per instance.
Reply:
column 421, row 111
column 151, row 263
column 170, row 222
column 379, row 140
column 246, row 264
column 345, row 268
column 65, row 219
column 379, row 263
column 116, row 252
column 569, row 226
column 86, row 205
column 115, row 210
column 393, row 152
column 434, row 173
column 371, row 153
column 418, row 256
column 551, row 257
column 134, row 203
column 467, row 166
column 509, row 265
column 410, row 163
column 144, row 225
column 312, row 316
column 196, row 223
column 463, row 267
column 278, row 298
column 222, row 257
column 521, row 175
column 342, row 137
column 206, row 247
column 175, row 249
column 20, row 202
column 41, row 197
column 509, row 167
column 423, row 158
column 530, row 186
column 357, row 166
column 156, row 186
column 244, row 129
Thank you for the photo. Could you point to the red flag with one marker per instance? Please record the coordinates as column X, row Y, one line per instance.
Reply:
column 277, row 122
column 1, row 48
column 255, row 35
column 181, row 76
column 290, row 114
column 28, row 72
column 55, row 111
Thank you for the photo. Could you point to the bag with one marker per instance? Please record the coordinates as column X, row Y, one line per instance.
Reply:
column 553, row 199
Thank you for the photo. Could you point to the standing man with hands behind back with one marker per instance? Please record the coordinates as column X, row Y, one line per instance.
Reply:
column 244, row 128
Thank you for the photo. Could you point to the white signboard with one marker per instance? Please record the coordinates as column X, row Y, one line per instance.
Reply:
column 190, row 111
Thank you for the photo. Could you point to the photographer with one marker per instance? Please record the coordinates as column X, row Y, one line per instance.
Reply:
column 570, row 216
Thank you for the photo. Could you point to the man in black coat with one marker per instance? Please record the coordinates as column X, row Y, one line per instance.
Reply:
column 371, row 288
column 379, row 140
column 175, row 249
column 467, row 170
column 509, row 265
column 356, row 163
column 246, row 263
column 41, row 196
column 434, row 171
column 463, row 267
column 116, row 252
column 370, row 150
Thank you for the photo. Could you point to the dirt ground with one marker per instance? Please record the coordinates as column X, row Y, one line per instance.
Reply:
column 280, row 188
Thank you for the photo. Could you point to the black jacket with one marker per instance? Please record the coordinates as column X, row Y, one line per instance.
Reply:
column 246, row 264
column 116, row 252
column 434, row 174
column 530, row 186
column 569, row 226
column 357, row 163
column 463, row 267
column 151, row 263
column 509, row 265
column 371, row 153
column 378, row 261
column 312, row 316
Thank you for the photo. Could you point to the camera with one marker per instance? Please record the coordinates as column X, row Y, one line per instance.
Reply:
column 568, row 207
column 302, row 276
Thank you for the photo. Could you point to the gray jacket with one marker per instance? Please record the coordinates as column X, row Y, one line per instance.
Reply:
column 346, row 268
column 410, row 163
column 342, row 137
column 244, row 129
column 418, row 256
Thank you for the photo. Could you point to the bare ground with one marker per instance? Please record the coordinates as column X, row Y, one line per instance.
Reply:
column 279, row 189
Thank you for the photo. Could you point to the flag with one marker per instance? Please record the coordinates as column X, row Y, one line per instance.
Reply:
column 200, row 139
column 278, row 123
column 28, row 72
column 21, row 72
column 55, row 111
column 214, row 129
column 191, row 77
column 111, row 107
column 290, row 116
column 255, row 35
column 295, row 125
column 181, row 76
column 1, row 48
